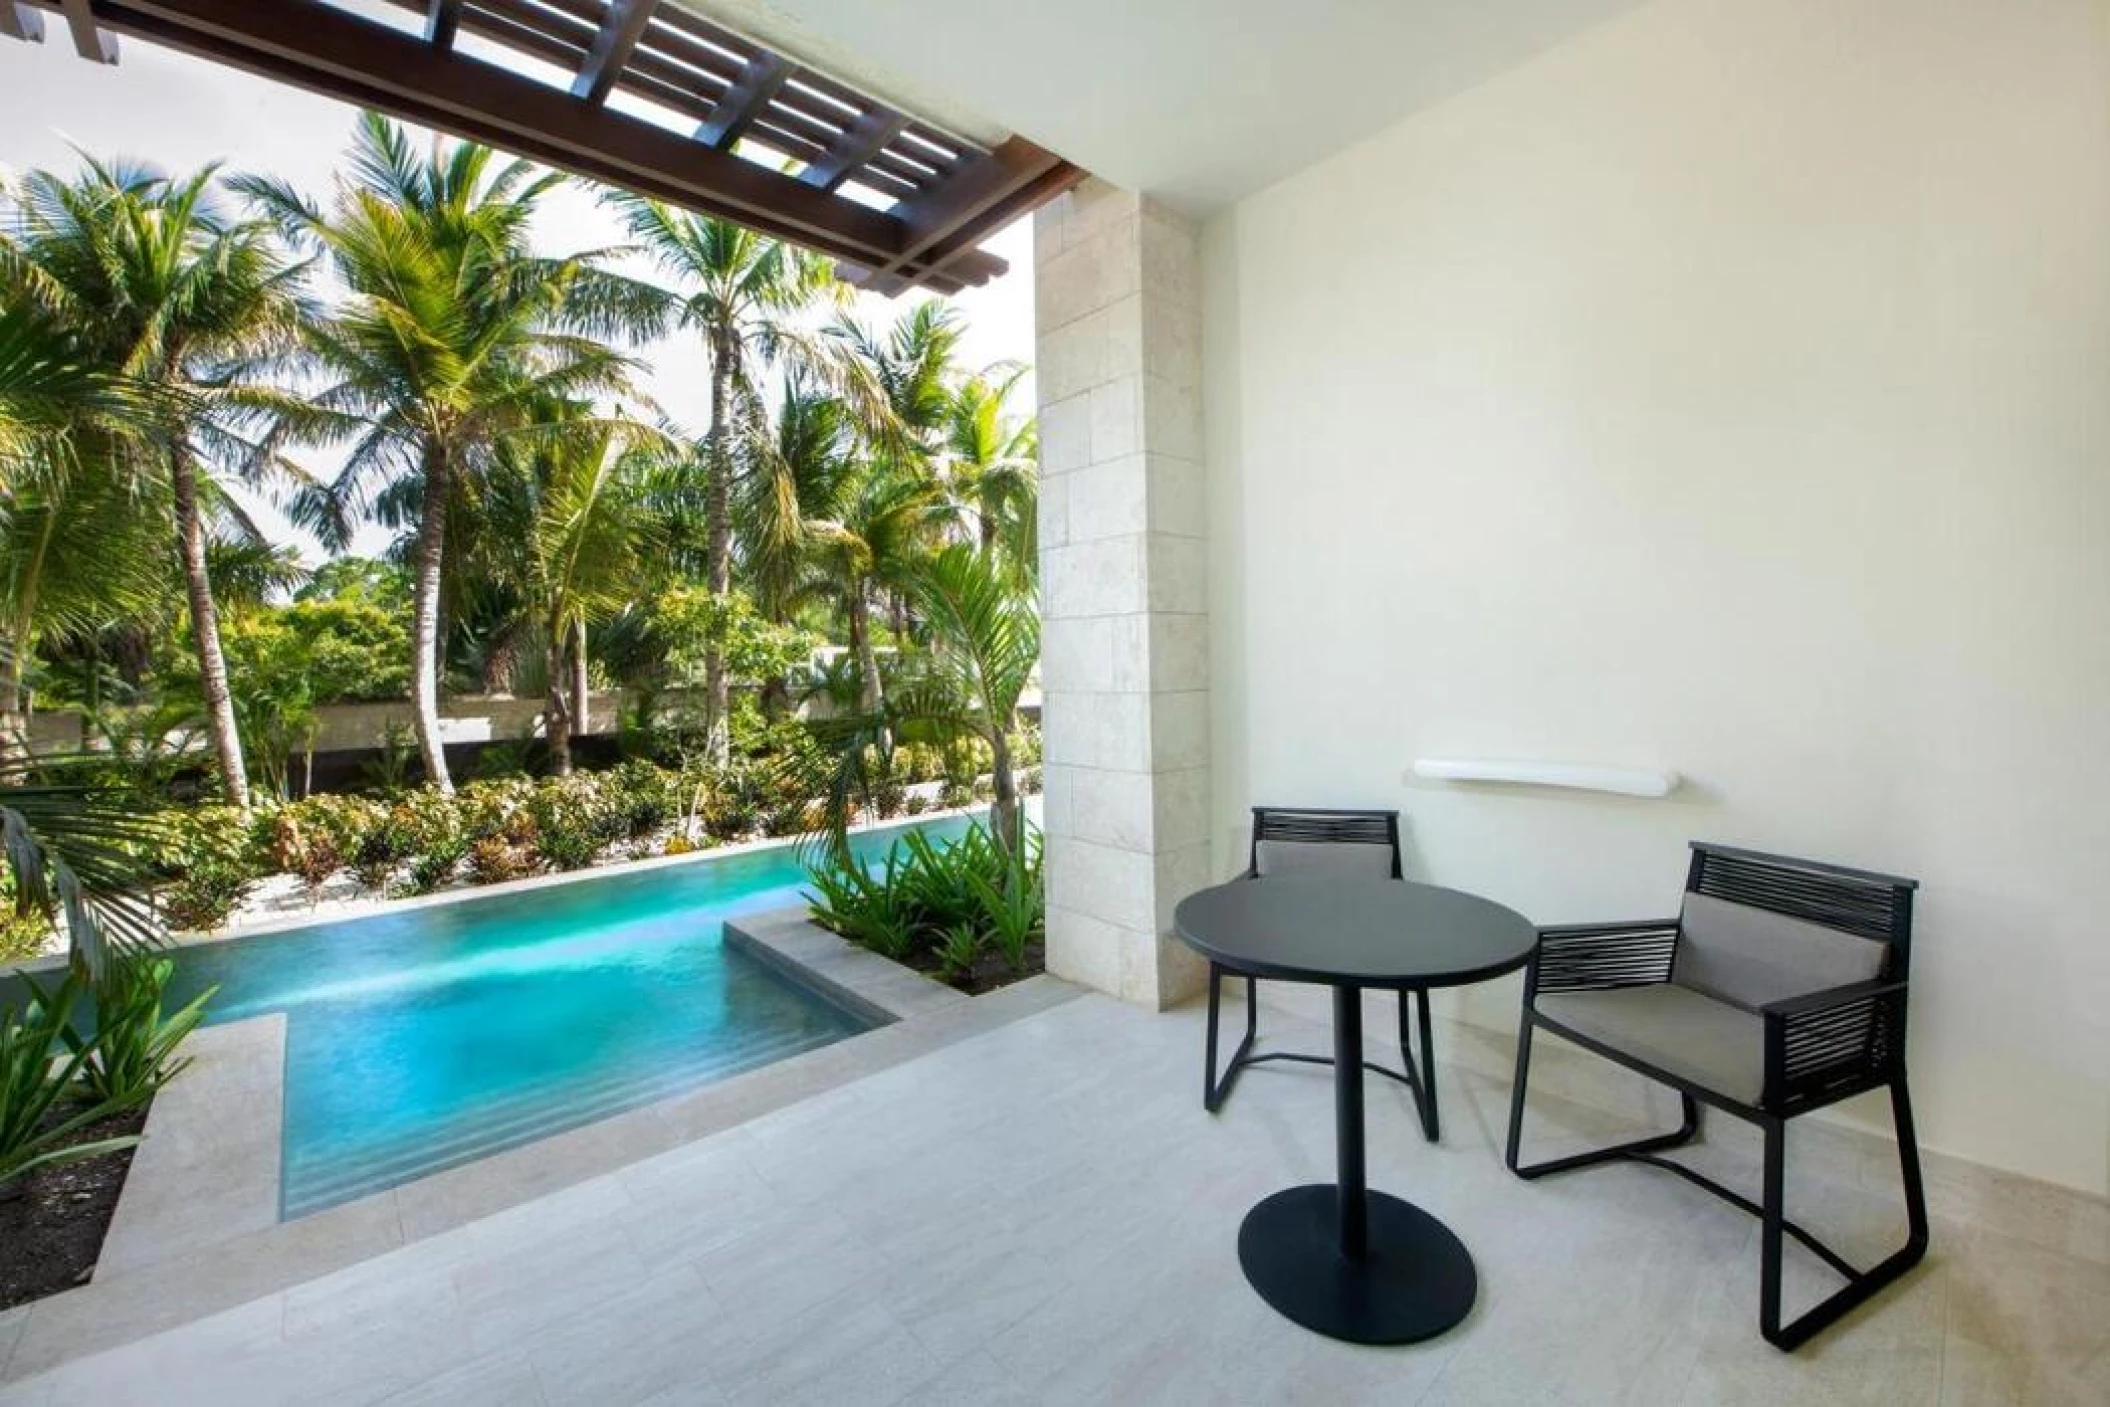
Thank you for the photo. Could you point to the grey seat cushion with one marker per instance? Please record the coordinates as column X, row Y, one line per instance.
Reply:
column 1676, row 1029
column 1749, row 956
column 1320, row 859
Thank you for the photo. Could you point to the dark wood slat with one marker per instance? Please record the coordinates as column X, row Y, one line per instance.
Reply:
column 621, row 28
column 860, row 142
column 318, row 46
column 89, row 40
column 756, row 87
column 973, row 192
column 443, row 19
column 19, row 21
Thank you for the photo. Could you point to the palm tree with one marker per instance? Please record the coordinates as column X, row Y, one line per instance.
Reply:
column 988, row 636
column 878, row 528
column 166, row 289
column 570, row 518
column 911, row 367
column 745, row 294
column 454, row 337
column 989, row 462
column 67, row 851
column 74, row 535
column 794, row 481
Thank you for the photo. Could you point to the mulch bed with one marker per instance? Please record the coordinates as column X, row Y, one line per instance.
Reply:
column 990, row 972
column 52, row 1221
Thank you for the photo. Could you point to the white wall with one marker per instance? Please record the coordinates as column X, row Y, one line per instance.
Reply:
column 1727, row 389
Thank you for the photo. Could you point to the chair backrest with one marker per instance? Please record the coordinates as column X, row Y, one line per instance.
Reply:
column 1757, row 928
column 1324, row 844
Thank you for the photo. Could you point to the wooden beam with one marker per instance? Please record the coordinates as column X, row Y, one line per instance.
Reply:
column 621, row 28
column 860, row 142
column 443, row 20
column 760, row 80
column 957, row 206
column 89, row 41
column 938, row 264
column 316, row 45
column 18, row 21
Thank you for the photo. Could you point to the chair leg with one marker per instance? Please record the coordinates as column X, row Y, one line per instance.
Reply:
column 1860, row 1286
column 1421, row 1075
column 1688, row 1125
column 1215, row 1090
column 1516, row 1091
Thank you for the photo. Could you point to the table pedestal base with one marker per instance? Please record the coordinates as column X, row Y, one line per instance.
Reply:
column 1414, row 1280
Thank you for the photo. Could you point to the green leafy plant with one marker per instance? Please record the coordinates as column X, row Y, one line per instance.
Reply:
column 494, row 859
column 959, row 948
column 936, row 904
column 389, row 768
column 869, row 909
column 1014, row 905
column 38, row 1071
column 133, row 1051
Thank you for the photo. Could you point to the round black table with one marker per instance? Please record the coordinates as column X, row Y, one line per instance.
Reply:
column 1337, row 1257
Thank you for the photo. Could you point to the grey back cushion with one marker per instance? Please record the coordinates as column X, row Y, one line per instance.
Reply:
column 1749, row 957
column 1319, row 859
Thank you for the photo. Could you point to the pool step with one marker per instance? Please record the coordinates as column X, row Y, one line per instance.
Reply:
column 310, row 1185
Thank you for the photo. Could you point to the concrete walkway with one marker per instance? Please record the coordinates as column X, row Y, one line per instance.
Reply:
column 1043, row 1213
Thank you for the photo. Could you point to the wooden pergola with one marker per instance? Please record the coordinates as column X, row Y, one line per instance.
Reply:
column 636, row 93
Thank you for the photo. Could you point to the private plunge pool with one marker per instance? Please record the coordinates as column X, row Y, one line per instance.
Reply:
column 420, row 1039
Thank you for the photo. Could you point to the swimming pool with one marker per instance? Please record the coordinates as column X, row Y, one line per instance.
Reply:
column 428, row 1037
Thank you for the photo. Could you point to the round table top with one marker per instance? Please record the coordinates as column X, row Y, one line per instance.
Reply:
column 1371, row 932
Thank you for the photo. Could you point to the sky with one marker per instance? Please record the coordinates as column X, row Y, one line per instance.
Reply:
column 179, row 113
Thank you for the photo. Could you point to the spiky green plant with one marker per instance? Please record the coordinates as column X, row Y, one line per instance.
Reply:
column 37, row 1076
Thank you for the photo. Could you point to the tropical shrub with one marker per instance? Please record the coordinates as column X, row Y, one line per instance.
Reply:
column 574, row 821
column 645, row 798
column 937, row 905
column 320, row 835
column 1014, row 901
column 215, row 856
column 871, row 909
column 437, row 834
column 38, row 1069
column 494, row 859
column 133, row 1051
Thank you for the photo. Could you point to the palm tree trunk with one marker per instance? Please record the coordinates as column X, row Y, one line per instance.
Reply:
column 14, row 723
column 425, row 617
column 718, row 547
column 557, row 716
column 870, row 692
column 1003, row 812
column 205, row 628
column 501, row 655
column 581, row 685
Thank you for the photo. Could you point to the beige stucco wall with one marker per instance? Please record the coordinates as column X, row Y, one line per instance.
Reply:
column 1726, row 390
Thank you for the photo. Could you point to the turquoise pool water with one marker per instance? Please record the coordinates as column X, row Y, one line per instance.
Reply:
column 426, row 1038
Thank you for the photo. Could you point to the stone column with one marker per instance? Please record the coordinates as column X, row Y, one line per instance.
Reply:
column 1123, row 518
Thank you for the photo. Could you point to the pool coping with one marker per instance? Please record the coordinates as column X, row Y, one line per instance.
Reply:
column 170, row 1271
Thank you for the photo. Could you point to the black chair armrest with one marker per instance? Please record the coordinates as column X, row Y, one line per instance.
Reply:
column 1825, row 1045
column 1582, row 957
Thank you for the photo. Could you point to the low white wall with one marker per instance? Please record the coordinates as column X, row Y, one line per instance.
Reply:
column 1729, row 390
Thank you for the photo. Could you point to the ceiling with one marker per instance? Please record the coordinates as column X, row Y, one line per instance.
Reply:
column 1198, row 102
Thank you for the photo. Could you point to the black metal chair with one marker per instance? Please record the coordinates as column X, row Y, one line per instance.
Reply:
column 1322, row 844
column 1780, row 988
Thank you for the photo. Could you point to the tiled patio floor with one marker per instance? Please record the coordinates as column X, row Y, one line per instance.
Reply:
column 1043, row 1213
